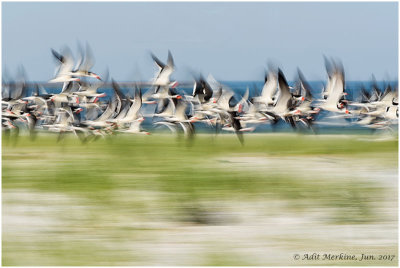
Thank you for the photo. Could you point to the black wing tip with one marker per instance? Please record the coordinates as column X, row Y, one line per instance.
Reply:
column 170, row 59
column 57, row 55
column 157, row 60
column 299, row 72
column 114, row 84
column 281, row 74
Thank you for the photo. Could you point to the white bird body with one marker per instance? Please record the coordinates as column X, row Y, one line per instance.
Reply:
column 269, row 90
column 162, row 77
column 134, row 128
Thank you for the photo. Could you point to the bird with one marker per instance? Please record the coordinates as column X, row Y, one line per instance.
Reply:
column 66, row 72
column 90, row 110
column 335, row 91
column 65, row 66
column 269, row 90
column 86, row 62
column 162, row 78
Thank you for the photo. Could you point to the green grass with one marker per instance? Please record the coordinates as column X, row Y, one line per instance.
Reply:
column 185, row 178
column 163, row 163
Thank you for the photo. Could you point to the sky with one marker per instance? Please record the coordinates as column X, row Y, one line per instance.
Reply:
column 233, row 41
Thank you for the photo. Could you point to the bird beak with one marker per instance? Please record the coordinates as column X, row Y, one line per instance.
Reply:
column 175, row 84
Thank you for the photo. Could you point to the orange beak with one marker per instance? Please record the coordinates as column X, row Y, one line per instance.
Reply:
column 175, row 85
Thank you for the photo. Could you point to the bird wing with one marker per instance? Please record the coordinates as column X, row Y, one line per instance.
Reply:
column 135, row 107
column 159, row 63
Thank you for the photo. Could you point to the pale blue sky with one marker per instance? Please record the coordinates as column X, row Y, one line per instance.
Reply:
column 233, row 41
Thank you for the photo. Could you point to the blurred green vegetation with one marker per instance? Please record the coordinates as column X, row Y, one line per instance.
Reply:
column 187, row 174
column 164, row 163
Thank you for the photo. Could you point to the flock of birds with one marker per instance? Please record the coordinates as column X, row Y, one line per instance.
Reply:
column 81, row 109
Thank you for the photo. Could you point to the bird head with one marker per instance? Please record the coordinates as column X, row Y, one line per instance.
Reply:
column 94, row 75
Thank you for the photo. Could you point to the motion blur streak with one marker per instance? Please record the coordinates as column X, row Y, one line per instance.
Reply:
column 196, row 197
column 150, row 200
column 211, row 103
